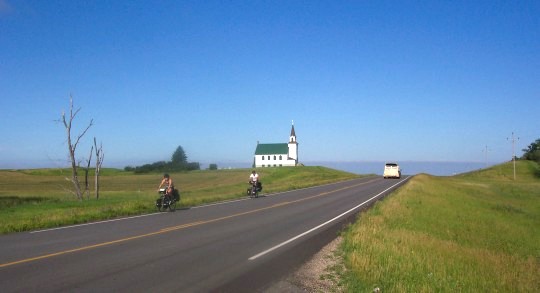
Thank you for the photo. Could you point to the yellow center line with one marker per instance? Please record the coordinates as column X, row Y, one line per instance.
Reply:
column 173, row 228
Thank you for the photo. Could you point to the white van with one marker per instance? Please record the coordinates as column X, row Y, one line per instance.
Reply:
column 392, row 170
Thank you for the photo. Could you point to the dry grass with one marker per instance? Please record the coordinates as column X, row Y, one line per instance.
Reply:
column 33, row 199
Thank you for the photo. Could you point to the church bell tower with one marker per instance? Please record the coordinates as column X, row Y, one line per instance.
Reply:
column 293, row 145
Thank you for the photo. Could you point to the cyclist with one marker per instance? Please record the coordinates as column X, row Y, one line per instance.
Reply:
column 253, row 180
column 169, row 185
column 254, row 177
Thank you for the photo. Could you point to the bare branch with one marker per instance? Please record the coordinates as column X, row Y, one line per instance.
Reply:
column 82, row 134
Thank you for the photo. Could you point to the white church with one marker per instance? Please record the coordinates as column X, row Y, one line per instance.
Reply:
column 277, row 154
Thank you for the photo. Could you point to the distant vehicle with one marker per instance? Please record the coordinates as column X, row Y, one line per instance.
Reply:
column 392, row 170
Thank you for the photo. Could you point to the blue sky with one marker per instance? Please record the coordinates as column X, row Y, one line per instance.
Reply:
column 362, row 80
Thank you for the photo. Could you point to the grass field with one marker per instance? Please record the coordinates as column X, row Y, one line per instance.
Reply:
column 42, row 198
column 475, row 232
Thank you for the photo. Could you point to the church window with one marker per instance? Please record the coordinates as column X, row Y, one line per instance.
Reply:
column 274, row 157
column 280, row 157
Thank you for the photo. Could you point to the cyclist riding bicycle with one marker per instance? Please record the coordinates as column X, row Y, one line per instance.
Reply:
column 254, row 177
column 167, row 182
column 255, row 183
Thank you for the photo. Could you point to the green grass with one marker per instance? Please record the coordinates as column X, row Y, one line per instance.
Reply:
column 42, row 198
column 475, row 232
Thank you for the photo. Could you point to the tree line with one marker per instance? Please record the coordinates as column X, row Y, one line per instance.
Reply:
column 532, row 152
column 178, row 162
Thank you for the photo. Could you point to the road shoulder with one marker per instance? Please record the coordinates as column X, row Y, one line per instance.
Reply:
column 316, row 275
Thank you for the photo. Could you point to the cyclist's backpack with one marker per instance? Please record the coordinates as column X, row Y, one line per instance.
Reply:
column 176, row 194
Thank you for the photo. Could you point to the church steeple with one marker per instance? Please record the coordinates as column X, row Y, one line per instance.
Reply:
column 292, row 138
column 293, row 146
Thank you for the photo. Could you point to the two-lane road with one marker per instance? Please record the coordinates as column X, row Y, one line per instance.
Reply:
column 236, row 246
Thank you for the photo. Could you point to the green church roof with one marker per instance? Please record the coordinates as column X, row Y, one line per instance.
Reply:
column 272, row 149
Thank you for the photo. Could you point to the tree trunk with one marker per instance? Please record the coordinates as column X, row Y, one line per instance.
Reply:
column 99, row 161
column 72, row 147
column 86, row 184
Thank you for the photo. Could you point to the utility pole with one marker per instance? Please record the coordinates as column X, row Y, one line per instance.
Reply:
column 485, row 151
column 513, row 152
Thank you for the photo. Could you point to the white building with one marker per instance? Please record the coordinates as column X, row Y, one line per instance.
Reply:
column 277, row 154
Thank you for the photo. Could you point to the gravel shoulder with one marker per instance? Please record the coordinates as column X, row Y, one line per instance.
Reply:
column 317, row 275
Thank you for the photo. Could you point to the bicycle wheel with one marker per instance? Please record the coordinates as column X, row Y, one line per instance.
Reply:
column 172, row 205
column 161, row 204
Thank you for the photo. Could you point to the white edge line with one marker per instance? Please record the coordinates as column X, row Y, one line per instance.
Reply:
column 93, row 223
column 323, row 224
column 267, row 194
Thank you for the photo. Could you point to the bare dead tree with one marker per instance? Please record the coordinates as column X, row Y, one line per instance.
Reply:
column 72, row 146
column 99, row 161
column 86, row 184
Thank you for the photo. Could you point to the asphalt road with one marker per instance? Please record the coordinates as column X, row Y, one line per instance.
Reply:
column 238, row 246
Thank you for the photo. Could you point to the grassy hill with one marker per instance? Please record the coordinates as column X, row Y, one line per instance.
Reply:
column 42, row 198
column 475, row 232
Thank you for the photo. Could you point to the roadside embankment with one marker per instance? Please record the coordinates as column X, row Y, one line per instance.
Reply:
column 478, row 231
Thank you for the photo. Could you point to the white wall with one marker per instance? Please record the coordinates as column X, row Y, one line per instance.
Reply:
column 259, row 162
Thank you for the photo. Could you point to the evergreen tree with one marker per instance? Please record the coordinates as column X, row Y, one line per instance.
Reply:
column 179, row 157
